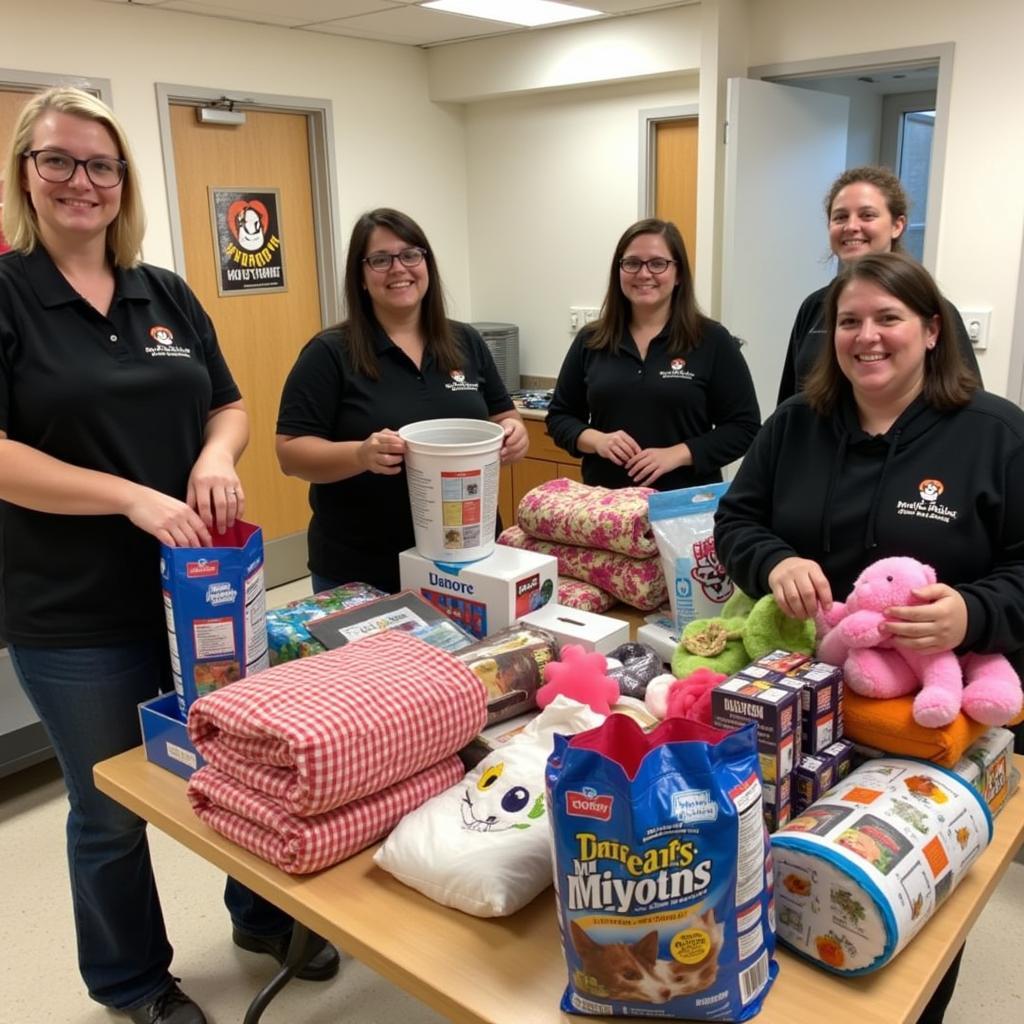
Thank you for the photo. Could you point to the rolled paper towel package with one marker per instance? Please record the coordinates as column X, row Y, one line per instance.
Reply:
column 859, row 872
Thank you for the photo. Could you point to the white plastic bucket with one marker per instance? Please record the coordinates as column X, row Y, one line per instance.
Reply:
column 452, row 470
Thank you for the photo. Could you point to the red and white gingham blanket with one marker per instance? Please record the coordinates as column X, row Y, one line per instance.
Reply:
column 320, row 732
column 301, row 845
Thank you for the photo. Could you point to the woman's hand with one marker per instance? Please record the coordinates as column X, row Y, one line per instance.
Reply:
column 648, row 465
column 214, row 490
column 382, row 452
column 172, row 522
column 940, row 624
column 516, row 441
column 800, row 588
column 617, row 447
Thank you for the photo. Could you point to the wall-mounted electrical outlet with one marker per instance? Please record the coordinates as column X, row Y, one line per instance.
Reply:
column 976, row 321
column 580, row 316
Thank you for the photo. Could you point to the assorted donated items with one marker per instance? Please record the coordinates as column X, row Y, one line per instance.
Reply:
column 601, row 633
column 985, row 686
column 216, row 606
column 662, row 878
column 314, row 735
column 484, row 845
column 860, row 871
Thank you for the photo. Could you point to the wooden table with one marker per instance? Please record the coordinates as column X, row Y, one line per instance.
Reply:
column 510, row 970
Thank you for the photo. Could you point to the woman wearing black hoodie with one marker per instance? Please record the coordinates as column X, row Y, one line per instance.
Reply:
column 892, row 449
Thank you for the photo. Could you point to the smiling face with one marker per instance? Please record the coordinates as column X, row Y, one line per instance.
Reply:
column 860, row 222
column 398, row 290
column 75, row 210
column 881, row 343
column 647, row 292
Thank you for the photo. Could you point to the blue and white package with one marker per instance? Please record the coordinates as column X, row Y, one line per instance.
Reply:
column 662, row 871
column 683, row 522
column 215, row 603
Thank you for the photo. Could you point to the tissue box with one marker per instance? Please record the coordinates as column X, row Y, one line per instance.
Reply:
column 599, row 633
column 661, row 636
column 165, row 736
column 486, row 595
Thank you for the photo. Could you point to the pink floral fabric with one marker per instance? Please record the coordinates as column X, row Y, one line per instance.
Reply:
column 635, row 581
column 591, row 517
column 584, row 596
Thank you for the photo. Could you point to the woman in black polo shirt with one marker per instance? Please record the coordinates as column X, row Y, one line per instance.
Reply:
column 653, row 393
column 397, row 359
column 120, row 426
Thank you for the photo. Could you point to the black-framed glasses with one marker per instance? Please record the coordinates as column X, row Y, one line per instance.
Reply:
column 381, row 261
column 633, row 265
column 56, row 167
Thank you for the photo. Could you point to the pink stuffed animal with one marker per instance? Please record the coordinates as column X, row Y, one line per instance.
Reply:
column 874, row 667
column 579, row 675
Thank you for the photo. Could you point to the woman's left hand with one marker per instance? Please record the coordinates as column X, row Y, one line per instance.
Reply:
column 938, row 625
column 215, row 491
column 516, row 441
column 651, row 463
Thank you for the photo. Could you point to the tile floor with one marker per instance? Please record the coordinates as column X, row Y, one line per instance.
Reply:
column 38, row 974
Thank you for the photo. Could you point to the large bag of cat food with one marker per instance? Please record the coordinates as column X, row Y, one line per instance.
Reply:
column 662, row 870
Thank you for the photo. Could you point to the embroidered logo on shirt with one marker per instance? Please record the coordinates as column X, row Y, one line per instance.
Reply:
column 458, row 382
column 164, row 338
column 927, row 506
column 677, row 370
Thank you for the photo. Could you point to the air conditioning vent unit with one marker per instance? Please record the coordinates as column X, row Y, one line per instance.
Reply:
column 503, row 342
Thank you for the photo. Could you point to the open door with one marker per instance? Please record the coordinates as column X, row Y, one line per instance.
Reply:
column 784, row 148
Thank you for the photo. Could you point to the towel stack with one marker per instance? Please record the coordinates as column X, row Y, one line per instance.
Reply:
column 601, row 537
column 316, row 759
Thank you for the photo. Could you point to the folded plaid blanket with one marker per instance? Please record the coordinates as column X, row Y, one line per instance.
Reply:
column 639, row 582
column 301, row 845
column 590, row 517
column 320, row 732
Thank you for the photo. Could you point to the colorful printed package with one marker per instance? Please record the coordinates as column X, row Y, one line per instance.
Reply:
column 662, row 871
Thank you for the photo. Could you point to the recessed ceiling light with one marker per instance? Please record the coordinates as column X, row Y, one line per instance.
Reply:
column 515, row 12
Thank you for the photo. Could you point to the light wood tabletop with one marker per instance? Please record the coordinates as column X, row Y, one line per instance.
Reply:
column 510, row 970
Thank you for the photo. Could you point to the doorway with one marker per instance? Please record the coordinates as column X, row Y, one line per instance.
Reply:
column 668, row 170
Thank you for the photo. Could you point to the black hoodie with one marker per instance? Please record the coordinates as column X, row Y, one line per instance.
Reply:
column 945, row 488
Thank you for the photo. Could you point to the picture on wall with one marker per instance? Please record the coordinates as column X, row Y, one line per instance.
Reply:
column 247, row 236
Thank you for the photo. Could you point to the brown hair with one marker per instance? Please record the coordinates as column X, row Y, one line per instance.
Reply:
column 948, row 381
column 361, row 325
column 20, row 225
column 886, row 182
column 685, row 320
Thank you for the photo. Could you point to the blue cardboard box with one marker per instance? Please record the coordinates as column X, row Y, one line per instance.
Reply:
column 165, row 736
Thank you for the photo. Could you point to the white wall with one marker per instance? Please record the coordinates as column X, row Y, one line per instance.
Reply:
column 393, row 145
column 552, row 185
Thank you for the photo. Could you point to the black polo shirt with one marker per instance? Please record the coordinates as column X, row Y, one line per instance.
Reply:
column 360, row 525
column 705, row 398
column 128, row 394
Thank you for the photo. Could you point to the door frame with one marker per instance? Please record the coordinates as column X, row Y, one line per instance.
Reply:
column 650, row 118
column 323, row 172
column 848, row 64
column 17, row 79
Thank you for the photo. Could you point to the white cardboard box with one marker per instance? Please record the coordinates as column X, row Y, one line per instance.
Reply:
column 486, row 595
column 599, row 633
column 662, row 640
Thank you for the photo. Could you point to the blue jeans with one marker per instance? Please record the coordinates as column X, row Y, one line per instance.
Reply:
column 86, row 698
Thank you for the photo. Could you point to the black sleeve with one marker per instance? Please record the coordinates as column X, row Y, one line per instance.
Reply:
column 789, row 383
column 745, row 543
column 569, row 412
column 312, row 391
column 731, row 403
column 963, row 341
column 492, row 387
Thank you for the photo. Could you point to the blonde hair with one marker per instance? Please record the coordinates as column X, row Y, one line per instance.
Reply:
column 20, row 224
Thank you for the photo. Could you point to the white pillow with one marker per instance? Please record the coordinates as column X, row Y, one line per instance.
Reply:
column 484, row 846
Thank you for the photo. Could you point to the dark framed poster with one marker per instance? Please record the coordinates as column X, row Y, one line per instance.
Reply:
column 247, row 238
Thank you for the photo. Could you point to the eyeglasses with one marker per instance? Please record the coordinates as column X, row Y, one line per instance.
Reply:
column 381, row 261
column 632, row 265
column 54, row 166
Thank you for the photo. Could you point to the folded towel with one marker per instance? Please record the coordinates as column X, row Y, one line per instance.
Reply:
column 637, row 582
column 590, row 517
column 301, row 845
column 320, row 732
column 584, row 596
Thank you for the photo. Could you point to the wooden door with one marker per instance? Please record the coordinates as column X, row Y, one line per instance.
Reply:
column 260, row 333
column 675, row 178
column 11, row 102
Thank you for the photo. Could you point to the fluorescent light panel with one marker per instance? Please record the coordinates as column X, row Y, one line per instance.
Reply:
column 514, row 12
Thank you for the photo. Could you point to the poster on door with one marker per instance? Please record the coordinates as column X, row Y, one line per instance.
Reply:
column 247, row 237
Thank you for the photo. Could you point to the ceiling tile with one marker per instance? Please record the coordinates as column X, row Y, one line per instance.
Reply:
column 413, row 25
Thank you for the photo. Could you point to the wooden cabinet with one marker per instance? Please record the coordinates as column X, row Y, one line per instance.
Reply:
column 545, row 461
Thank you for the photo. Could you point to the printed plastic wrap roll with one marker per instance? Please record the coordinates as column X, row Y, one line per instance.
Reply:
column 859, row 872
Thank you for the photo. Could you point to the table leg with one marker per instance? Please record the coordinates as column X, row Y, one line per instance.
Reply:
column 299, row 953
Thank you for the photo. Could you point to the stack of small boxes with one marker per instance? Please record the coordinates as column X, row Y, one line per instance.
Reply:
column 797, row 705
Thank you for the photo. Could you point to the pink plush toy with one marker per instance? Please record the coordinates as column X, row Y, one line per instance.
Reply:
column 580, row 676
column 689, row 697
column 849, row 636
